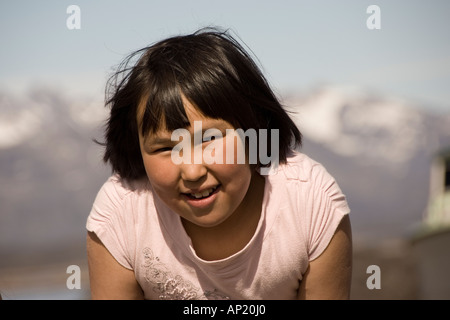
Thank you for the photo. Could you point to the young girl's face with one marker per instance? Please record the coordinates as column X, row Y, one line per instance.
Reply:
column 203, row 194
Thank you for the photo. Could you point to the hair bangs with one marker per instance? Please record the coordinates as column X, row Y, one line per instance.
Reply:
column 217, row 101
column 211, row 85
column 164, row 109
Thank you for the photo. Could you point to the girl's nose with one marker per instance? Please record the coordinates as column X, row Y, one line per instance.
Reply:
column 193, row 172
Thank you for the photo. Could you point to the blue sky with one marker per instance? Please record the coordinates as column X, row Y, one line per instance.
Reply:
column 300, row 44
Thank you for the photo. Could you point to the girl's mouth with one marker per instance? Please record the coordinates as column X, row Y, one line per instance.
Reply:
column 202, row 199
column 204, row 194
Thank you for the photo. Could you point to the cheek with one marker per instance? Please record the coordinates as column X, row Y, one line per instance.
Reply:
column 235, row 167
column 161, row 172
column 234, row 177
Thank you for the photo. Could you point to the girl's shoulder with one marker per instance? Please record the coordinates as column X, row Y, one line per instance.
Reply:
column 301, row 167
column 116, row 190
column 123, row 187
column 113, row 216
column 307, row 177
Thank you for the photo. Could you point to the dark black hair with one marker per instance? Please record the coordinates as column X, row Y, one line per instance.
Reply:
column 213, row 71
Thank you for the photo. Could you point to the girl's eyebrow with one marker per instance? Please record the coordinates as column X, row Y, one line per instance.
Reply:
column 157, row 138
column 165, row 137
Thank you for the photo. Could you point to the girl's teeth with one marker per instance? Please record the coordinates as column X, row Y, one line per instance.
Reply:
column 203, row 194
column 206, row 192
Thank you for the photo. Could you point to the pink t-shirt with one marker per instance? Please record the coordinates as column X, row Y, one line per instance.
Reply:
column 302, row 207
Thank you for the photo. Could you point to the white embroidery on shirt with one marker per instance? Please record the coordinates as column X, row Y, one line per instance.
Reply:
column 170, row 287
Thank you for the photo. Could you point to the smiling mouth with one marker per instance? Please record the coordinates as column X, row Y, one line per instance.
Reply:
column 202, row 195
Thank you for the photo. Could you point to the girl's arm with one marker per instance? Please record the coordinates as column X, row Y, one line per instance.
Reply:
column 109, row 279
column 329, row 276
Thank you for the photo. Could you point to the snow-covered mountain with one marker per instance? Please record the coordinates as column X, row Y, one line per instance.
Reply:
column 378, row 149
column 50, row 171
column 369, row 129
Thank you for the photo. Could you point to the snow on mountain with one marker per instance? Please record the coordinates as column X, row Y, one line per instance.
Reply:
column 369, row 129
column 50, row 170
column 379, row 150
column 17, row 123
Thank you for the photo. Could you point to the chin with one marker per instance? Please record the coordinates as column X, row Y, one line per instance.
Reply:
column 206, row 221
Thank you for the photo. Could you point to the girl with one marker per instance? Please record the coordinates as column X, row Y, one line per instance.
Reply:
column 198, row 229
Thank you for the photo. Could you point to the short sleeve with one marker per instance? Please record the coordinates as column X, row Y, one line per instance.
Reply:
column 327, row 206
column 107, row 221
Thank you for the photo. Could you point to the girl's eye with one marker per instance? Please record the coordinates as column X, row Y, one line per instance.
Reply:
column 210, row 138
column 163, row 149
column 212, row 134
